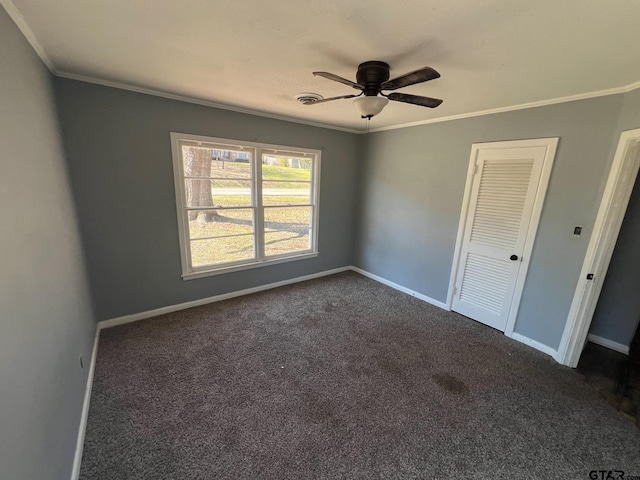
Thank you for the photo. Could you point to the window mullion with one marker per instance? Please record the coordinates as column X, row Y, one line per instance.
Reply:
column 259, row 210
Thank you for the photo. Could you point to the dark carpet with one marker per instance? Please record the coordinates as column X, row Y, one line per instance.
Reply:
column 340, row 378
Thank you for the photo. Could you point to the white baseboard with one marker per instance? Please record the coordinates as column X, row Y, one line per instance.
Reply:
column 618, row 347
column 400, row 288
column 216, row 298
column 534, row 344
column 77, row 459
column 515, row 336
column 113, row 322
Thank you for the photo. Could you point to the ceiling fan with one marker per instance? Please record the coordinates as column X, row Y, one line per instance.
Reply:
column 371, row 79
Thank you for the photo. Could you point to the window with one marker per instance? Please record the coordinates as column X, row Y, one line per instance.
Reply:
column 243, row 204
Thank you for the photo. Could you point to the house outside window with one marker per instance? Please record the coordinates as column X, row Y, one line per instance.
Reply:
column 242, row 204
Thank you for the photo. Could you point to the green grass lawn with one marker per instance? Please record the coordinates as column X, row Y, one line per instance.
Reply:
column 273, row 172
column 240, row 171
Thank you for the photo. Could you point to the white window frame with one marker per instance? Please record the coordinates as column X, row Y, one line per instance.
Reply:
column 257, row 149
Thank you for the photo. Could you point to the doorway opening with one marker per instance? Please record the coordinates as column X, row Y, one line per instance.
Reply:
column 613, row 207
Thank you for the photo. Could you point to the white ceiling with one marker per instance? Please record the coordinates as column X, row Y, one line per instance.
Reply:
column 257, row 54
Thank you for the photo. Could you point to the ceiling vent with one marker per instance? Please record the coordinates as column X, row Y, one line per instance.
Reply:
column 307, row 98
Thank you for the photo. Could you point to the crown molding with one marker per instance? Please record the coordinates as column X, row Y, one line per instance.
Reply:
column 512, row 108
column 206, row 103
column 198, row 101
column 480, row 113
column 21, row 23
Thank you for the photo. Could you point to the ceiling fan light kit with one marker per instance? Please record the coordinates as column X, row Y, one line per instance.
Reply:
column 370, row 106
column 372, row 78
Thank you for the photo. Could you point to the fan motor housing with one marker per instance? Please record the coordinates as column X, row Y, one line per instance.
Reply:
column 371, row 75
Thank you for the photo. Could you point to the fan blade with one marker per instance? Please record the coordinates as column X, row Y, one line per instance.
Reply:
column 336, row 78
column 422, row 75
column 415, row 99
column 313, row 102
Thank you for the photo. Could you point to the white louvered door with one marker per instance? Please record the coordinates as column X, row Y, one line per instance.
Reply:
column 502, row 197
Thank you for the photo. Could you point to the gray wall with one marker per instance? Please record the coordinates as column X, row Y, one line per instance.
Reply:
column 119, row 155
column 45, row 313
column 412, row 196
column 618, row 310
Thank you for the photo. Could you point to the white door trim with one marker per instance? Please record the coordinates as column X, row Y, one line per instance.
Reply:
column 551, row 145
column 603, row 240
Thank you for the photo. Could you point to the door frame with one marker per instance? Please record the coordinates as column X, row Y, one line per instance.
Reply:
column 551, row 144
column 621, row 180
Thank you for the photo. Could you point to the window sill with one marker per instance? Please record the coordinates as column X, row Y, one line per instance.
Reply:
column 246, row 266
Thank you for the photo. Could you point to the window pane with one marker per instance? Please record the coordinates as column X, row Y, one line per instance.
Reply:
column 287, row 230
column 286, row 168
column 286, row 193
column 217, row 223
column 221, row 250
column 219, row 163
column 217, row 193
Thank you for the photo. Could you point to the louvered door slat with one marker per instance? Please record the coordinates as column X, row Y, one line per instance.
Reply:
column 484, row 287
column 499, row 227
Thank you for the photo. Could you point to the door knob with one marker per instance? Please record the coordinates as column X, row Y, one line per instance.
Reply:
column 513, row 257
